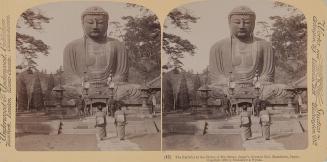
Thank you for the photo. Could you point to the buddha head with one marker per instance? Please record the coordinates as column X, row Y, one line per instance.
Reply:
column 95, row 22
column 241, row 22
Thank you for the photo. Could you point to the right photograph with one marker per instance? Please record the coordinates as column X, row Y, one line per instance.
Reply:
column 234, row 77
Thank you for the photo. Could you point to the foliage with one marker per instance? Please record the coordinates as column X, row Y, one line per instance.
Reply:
column 37, row 95
column 51, row 82
column 168, row 96
column 197, row 85
column 22, row 97
column 288, row 35
column 173, row 45
column 141, row 35
column 27, row 45
column 183, row 99
column 289, row 40
column 50, row 86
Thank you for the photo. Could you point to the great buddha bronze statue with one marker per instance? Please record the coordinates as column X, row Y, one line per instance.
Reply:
column 95, row 57
column 243, row 65
column 242, row 56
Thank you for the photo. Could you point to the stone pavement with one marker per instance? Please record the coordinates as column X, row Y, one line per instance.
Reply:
column 257, row 142
column 113, row 143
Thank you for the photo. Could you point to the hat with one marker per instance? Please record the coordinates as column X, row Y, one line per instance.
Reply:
column 95, row 11
column 242, row 10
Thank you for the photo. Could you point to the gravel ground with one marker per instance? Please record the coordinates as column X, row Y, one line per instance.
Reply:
column 203, row 143
column 64, row 142
column 78, row 142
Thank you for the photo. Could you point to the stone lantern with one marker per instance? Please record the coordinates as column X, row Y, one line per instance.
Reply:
column 144, row 110
column 59, row 93
column 290, row 94
column 204, row 95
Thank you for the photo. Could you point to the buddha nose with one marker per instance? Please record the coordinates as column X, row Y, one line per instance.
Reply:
column 95, row 25
column 242, row 25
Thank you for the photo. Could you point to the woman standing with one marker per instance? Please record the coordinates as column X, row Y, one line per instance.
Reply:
column 100, row 123
column 265, row 121
column 245, row 118
column 120, row 122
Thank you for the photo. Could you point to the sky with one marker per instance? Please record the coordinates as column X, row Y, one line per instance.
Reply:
column 213, row 26
column 66, row 27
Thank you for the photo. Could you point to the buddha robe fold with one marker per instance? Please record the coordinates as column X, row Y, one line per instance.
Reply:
column 241, row 60
column 97, row 59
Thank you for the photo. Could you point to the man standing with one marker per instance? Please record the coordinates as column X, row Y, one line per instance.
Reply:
column 80, row 104
column 257, row 106
column 226, row 106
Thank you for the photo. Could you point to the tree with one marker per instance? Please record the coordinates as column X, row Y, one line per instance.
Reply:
column 142, row 39
column 37, row 94
column 27, row 45
column 183, row 99
column 196, row 86
column 22, row 97
column 173, row 45
column 289, row 41
column 168, row 94
column 50, row 86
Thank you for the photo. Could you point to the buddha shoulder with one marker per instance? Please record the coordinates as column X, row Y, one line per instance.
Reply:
column 221, row 43
column 74, row 44
column 263, row 42
column 115, row 42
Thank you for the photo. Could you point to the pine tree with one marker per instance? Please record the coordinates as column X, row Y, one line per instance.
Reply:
column 37, row 95
column 183, row 99
column 22, row 98
column 168, row 95
column 51, row 85
column 196, row 86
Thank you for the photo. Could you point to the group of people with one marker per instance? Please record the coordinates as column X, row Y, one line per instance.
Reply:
column 101, row 123
column 260, row 110
column 246, row 122
column 101, row 119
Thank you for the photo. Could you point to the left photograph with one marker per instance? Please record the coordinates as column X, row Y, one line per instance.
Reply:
column 88, row 78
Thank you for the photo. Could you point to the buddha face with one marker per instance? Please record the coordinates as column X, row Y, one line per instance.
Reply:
column 242, row 26
column 95, row 26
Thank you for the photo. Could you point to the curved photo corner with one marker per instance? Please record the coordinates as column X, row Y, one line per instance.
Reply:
column 235, row 77
column 88, row 78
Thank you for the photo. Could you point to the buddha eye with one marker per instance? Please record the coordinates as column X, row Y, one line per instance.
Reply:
column 236, row 22
column 90, row 22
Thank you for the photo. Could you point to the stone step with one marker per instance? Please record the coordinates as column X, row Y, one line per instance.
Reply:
column 30, row 113
column 32, row 119
column 51, row 127
column 78, row 131
column 133, row 127
column 223, row 131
